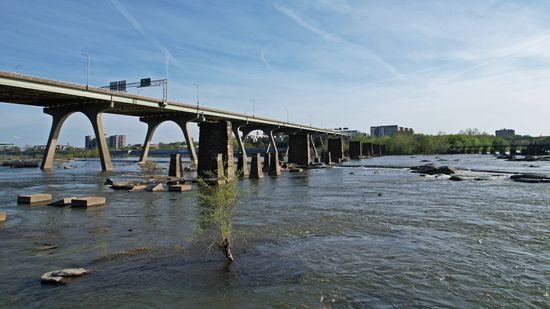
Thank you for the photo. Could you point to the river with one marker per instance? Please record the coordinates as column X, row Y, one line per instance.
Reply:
column 343, row 237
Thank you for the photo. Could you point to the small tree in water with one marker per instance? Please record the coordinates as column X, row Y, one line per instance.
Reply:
column 219, row 207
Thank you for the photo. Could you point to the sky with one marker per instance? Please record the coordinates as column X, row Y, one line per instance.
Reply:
column 435, row 66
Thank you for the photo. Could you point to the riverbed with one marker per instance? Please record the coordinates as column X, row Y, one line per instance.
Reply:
column 341, row 237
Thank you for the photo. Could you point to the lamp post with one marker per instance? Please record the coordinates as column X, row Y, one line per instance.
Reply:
column 253, row 103
column 198, row 98
column 87, row 68
column 287, row 115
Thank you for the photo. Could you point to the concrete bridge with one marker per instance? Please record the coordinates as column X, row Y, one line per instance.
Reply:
column 216, row 127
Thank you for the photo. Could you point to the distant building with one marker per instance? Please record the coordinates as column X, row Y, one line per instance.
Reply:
column 116, row 141
column 505, row 133
column 352, row 133
column 6, row 146
column 380, row 131
column 113, row 142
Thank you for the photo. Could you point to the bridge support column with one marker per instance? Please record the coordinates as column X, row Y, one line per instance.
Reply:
column 183, row 123
column 367, row 149
column 152, row 124
column 316, row 158
column 355, row 150
column 299, row 149
column 93, row 113
column 256, row 168
column 336, row 149
column 215, row 138
column 242, row 162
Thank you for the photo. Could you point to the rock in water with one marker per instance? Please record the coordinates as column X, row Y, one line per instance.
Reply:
column 431, row 169
column 456, row 178
column 62, row 276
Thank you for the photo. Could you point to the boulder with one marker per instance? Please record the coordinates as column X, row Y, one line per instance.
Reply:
column 2, row 216
column 456, row 178
column 108, row 182
column 155, row 187
column 431, row 169
column 62, row 276
column 296, row 170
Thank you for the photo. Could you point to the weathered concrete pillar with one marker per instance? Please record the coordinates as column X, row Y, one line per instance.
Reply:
column 93, row 112
column 327, row 158
column 336, row 149
column 267, row 161
column 242, row 161
column 355, row 150
column 256, row 168
column 274, row 166
column 382, row 149
column 215, row 138
column 299, row 149
column 183, row 123
column 175, row 169
column 315, row 154
column 152, row 124
column 376, row 150
column 367, row 149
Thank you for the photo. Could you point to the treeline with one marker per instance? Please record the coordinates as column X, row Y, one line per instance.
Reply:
column 407, row 144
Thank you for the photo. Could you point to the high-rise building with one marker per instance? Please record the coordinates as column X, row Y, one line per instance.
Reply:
column 89, row 142
column 505, row 133
column 116, row 141
column 380, row 131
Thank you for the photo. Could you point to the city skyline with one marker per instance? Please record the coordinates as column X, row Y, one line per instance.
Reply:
column 426, row 65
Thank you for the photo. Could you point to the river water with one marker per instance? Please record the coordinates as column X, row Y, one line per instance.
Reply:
column 344, row 237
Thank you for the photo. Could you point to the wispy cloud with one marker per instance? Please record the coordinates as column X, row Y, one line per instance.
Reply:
column 168, row 58
column 358, row 50
column 264, row 59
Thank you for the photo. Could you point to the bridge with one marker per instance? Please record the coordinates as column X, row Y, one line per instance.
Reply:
column 216, row 127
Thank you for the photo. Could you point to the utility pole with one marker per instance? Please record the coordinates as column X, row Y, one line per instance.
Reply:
column 87, row 69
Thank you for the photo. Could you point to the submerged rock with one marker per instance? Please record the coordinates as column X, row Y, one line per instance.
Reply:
column 431, row 169
column 456, row 178
column 62, row 276
column 531, row 178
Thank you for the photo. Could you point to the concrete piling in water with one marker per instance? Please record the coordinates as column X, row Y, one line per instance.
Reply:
column 367, row 149
column 34, row 198
column 90, row 201
column 267, row 162
column 355, row 150
column 299, row 150
column 274, row 166
column 327, row 158
column 175, row 165
column 336, row 149
column 256, row 168
column 215, row 138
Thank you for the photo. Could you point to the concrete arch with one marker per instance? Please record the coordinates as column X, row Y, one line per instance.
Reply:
column 154, row 122
column 60, row 114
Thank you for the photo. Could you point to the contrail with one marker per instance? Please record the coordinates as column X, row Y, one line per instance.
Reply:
column 264, row 60
column 168, row 58
column 361, row 50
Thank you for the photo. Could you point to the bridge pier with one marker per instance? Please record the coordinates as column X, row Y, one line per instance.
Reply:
column 367, row 149
column 215, row 138
column 154, row 122
column 93, row 113
column 242, row 161
column 336, row 149
column 299, row 149
column 274, row 166
column 355, row 150
column 316, row 158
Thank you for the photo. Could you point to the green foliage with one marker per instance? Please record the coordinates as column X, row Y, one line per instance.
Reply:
column 406, row 144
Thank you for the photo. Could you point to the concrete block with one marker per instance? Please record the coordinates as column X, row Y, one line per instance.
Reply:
column 63, row 202
column 274, row 166
column 138, row 187
column 2, row 216
column 89, row 201
column 155, row 187
column 179, row 188
column 34, row 198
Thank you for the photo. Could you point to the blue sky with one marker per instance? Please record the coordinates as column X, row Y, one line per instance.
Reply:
column 430, row 65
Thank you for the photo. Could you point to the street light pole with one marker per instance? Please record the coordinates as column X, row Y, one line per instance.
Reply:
column 198, row 98
column 87, row 68
column 253, row 103
column 287, row 115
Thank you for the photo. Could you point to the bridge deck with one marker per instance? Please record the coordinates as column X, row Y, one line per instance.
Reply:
column 28, row 90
